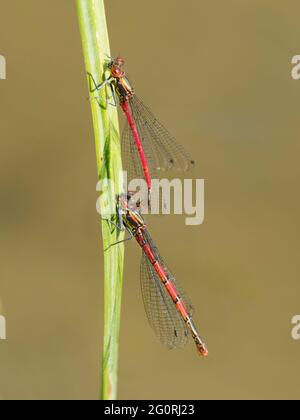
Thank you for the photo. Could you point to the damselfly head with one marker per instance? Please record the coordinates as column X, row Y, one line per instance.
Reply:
column 128, row 202
column 124, row 200
column 134, row 203
column 116, row 68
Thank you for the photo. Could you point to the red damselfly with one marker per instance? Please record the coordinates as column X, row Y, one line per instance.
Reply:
column 146, row 144
column 168, row 309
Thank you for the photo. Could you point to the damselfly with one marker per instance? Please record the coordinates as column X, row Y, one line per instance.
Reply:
column 168, row 309
column 146, row 144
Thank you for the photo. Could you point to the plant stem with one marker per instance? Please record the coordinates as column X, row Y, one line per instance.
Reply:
column 94, row 34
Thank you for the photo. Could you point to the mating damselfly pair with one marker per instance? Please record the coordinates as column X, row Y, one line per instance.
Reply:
column 147, row 147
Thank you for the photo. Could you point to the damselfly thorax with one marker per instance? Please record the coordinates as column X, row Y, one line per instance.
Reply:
column 121, row 83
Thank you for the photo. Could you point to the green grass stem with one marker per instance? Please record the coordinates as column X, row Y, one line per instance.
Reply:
column 95, row 41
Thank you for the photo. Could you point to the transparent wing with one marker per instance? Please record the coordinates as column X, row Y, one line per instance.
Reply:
column 168, row 153
column 161, row 149
column 181, row 292
column 162, row 313
column 131, row 158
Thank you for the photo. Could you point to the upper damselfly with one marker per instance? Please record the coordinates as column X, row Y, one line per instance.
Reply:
column 147, row 145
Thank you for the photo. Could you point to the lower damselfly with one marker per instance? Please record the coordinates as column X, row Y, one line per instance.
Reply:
column 168, row 309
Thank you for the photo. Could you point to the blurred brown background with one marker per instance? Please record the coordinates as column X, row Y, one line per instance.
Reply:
column 218, row 74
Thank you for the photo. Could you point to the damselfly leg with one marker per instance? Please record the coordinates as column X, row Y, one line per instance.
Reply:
column 95, row 87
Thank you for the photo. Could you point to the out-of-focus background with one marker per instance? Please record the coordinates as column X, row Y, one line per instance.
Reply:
column 218, row 74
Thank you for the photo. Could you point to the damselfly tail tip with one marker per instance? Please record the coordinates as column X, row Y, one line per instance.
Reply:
column 202, row 349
